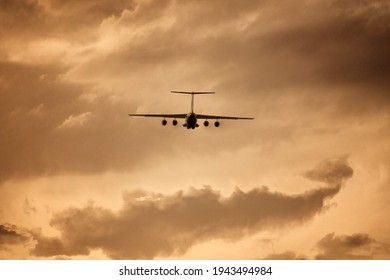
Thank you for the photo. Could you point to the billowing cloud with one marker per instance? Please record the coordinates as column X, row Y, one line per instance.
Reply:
column 50, row 126
column 152, row 225
column 170, row 225
column 355, row 246
column 11, row 235
column 332, row 171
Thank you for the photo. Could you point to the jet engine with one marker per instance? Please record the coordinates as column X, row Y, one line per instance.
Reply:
column 174, row 122
column 206, row 123
column 216, row 124
column 164, row 122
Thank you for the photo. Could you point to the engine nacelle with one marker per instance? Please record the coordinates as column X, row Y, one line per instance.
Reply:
column 164, row 122
column 206, row 123
column 217, row 123
column 174, row 122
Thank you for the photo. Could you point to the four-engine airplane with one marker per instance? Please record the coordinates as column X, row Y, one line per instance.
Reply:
column 191, row 119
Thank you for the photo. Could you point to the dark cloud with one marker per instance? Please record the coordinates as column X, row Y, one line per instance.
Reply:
column 87, row 14
column 244, row 50
column 332, row 171
column 346, row 43
column 49, row 126
column 263, row 50
column 355, row 246
column 15, row 16
column 11, row 235
column 103, row 8
column 288, row 255
column 155, row 225
column 68, row 20
column 252, row 46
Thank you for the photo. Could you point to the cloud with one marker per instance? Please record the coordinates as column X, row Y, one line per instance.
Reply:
column 16, row 15
column 52, row 18
column 11, row 235
column 75, row 121
column 306, row 47
column 90, row 12
column 170, row 225
column 288, row 255
column 336, row 45
column 332, row 172
column 280, row 45
column 28, row 207
column 49, row 127
column 325, row 54
column 355, row 246
column 152, row 225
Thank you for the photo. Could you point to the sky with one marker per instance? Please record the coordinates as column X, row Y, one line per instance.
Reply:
column 308, row 178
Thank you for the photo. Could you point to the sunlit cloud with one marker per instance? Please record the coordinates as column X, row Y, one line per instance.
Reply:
column 75, row 121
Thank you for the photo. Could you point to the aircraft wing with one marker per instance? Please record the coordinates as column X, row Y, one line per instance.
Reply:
column 173, row 116
column 211, row 117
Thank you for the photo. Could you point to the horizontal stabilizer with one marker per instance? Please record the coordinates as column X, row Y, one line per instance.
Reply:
column 193, row 92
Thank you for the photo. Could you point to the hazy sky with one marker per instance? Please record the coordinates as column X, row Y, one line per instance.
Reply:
column 308, row 178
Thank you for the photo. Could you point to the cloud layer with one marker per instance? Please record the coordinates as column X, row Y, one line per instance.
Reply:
column 170, row 225
column 85, row 65
column 10, row 235
column 157, row 225
column 351, row 247
column 357, row 246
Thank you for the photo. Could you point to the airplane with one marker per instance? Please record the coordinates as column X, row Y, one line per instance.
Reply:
column 191, row 119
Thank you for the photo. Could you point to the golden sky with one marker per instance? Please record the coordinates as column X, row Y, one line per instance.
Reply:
column 307, row 179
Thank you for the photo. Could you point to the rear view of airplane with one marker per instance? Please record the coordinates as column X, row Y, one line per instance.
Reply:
column 191, row 119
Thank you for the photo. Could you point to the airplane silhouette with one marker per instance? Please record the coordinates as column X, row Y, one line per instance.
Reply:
column 191, row 119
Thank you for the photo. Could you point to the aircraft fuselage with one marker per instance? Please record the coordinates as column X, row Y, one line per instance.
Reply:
column 191, row 121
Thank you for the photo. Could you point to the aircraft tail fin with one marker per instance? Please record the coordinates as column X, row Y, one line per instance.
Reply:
column 192, row 95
